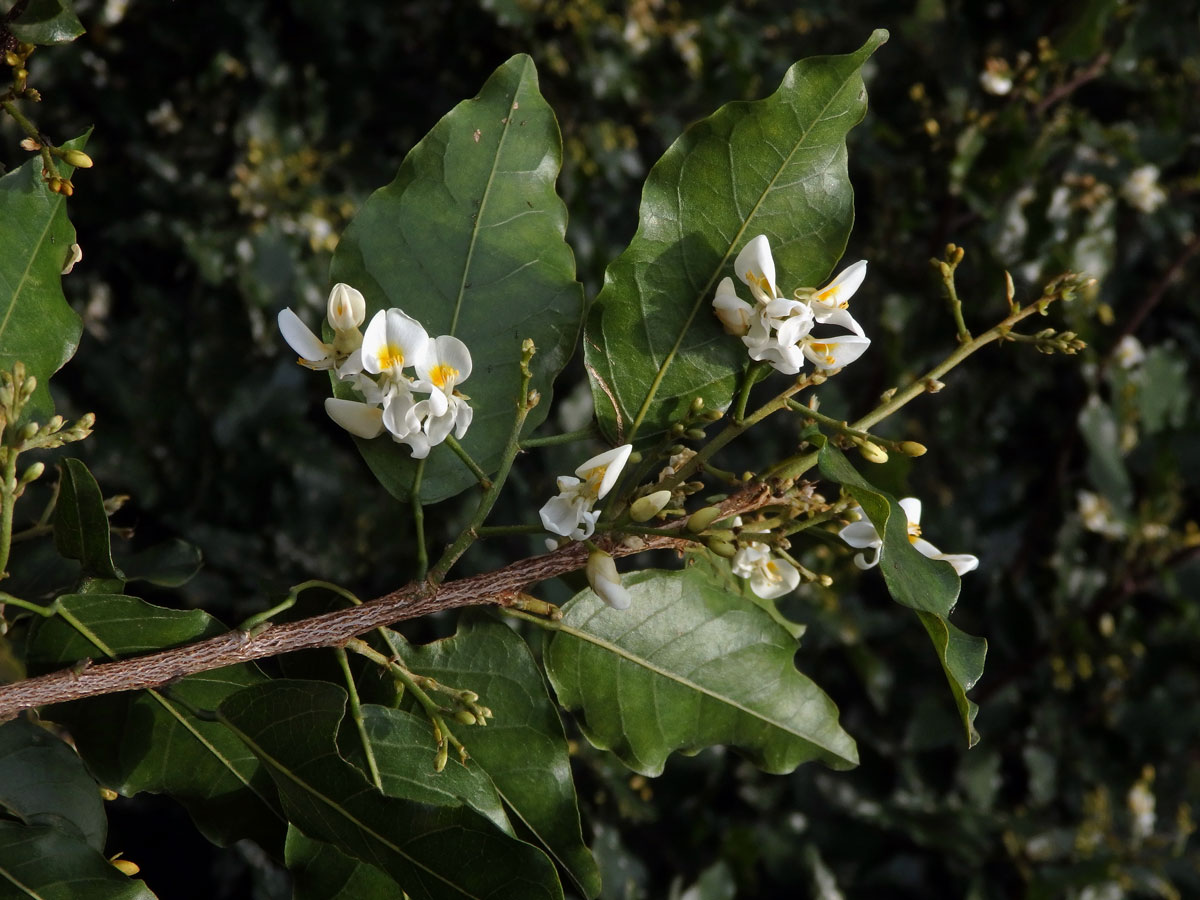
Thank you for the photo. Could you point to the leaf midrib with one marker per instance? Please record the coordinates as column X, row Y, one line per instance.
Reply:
column 617, row 650
column 462, row 285
column 37, row 249
column 670, row 357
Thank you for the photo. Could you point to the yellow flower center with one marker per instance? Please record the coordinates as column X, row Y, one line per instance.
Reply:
column 823, row 351
column 391, row 357
column 914, row 532
column 442, row 375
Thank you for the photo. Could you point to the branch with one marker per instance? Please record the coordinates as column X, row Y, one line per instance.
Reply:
column 1094, row 69
column 332, row 629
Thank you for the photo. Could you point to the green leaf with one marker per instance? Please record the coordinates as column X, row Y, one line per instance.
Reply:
column 469, row 241
column 1105, row 467
column 719, row 572
column 37, row 327
column 46, row 22
column 403, row 745
column 43, row 782
column 431, row 852
column 321, row 871
column 688, row 666
column 1163, row 395
column 81, row 522
column 523, row 749
column 41, row 863
column 151, row 741
column 928, row 586
column 776, row 167
column 172, row 563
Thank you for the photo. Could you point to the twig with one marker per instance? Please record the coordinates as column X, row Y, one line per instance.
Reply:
column 333, row 629
column 1094, row 69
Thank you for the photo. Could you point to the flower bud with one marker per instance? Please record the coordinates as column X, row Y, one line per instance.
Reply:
column 108, row 793
column 31, row 145
column 347, row 308
column 643, row 509
column 29, row 432
column 677, row 430
column 721, row 548
column 465, row 717
column 872, row 452
column 77, row 158
column 602, row 575
column 694, row 434
column 912, row 448
column 697, row 404
column 126, row 866
column 701, row 519
column 34, row 472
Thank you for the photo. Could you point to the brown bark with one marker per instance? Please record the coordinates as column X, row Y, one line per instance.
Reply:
column 331, row 629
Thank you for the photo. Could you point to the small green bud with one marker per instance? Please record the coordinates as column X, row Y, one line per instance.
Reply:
column 465, row 717
column 825, row 581
column 442, row 756
column 635, row 457
column 55, row 424
column 912, row 448
column 28, row 387
column 712, row 415
column 701, row 519
column 677, row 429
column 29, row 432
column 697, row 404
column 721, row 534
column 468, row 696
column 694, row 434
column 34, row 472
column 126, row 867
column 77, row 158
column 872, row 452
column 643, row 509
column 945, row 269
column 108, row 794
column 721, row 548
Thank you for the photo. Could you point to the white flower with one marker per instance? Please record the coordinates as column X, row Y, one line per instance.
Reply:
column 863, row 536
column 756, row 267
column 996, row 78
column 734, row 312
column 1129, row 352
column 570, row 514
column 769, row 575
column 446, row 364
column 1097, row 515
column 1140, row 801
column 602, row 575
column 1141, row 189
column 393, row 342
column 834, row 352
column 829, row 304
column 346, row 308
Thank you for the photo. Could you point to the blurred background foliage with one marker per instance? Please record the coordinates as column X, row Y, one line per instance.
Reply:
column 234, row 141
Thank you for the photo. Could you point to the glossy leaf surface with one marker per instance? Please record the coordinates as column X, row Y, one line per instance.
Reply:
column 43, row 863
column 150, row 740
column 690, row 665
column 44, row 782
column 46, row 22
column 81, row 522
column 468, row 240
column 930, row 587
column 427, row 850
column 37, row 327
column 775, row 166
column 523, row 749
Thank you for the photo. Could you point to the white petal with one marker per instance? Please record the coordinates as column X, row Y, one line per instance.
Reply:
column 794, row 328
column 833, row 353
column 612, row 461
column 912, row 509
column 357, row 418
column 733, row 312
column 418, row 444
column 838, row 317
column 860, row 559
column 860, row 535
column 346, row 308
column 605, row 581
column 393, row 342
column 775, row 578
column 437, row 427
column 561, row 515
column 839, row 291
column 300, row 337
column 400, row 414
column 446, row 350
column 462, row 419
column 925, row 548
column 352, row 367
column 755, row 262
column 962, row 562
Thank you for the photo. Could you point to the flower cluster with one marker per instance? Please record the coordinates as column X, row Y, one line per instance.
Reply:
column 375, row 365
column 778, row 329
column 863, row 536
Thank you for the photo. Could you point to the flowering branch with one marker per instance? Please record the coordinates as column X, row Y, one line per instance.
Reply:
column 501, row 587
